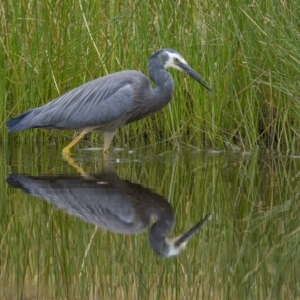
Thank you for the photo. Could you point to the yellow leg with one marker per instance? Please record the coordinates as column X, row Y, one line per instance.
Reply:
column 79, row 169
column 108, row 136
column 75, row 141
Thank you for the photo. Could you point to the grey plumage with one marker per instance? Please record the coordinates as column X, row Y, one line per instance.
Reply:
column 111, row 203
column 109, row 102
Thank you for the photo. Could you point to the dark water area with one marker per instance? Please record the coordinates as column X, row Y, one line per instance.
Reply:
column 126, row 226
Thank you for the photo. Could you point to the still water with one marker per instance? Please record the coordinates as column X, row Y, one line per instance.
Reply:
column 88, row 227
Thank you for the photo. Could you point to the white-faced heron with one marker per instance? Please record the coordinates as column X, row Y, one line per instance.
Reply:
column 113, row 204
column 109, row 102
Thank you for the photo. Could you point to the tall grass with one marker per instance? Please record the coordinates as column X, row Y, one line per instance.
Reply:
column 248, row 53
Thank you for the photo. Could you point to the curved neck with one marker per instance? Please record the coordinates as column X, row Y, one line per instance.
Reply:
column 164, row 82
column 160, row 229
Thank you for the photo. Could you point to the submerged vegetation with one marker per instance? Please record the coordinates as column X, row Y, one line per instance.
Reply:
column 249, row 53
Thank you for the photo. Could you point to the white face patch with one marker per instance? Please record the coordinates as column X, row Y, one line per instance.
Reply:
column 172, row 250
column 172, row 59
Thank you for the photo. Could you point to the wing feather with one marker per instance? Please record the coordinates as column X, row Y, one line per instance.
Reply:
column 99, row 101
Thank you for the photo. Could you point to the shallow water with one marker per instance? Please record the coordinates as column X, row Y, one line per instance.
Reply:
column 51, row 250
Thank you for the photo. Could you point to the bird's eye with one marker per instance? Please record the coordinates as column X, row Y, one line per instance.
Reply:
column 176, row 60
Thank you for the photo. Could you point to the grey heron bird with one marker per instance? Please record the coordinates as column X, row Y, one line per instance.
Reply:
column 113, row 204
column 109, row 102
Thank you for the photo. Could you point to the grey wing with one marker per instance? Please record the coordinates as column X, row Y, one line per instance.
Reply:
column 97, row 102
column 103, row 205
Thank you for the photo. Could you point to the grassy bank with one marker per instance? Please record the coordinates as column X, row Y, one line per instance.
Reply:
column 248, row 53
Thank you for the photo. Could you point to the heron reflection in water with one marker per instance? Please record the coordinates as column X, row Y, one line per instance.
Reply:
column 111, row 203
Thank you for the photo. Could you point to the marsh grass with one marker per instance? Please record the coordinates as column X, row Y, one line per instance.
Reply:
column 248, row 53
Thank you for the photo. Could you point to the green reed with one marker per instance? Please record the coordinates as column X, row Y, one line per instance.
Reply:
column 247, row 52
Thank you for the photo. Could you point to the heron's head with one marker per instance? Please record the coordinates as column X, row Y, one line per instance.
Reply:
column 172, row 59
column 170, row 247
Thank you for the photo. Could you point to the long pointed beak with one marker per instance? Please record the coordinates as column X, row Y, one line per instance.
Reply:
column 187, row 69
column 183, row 239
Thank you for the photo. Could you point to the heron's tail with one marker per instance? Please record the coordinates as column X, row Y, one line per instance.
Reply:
column 13, row 180
column 16, row 124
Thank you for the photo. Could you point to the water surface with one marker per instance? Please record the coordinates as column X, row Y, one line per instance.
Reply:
column 249, row 250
